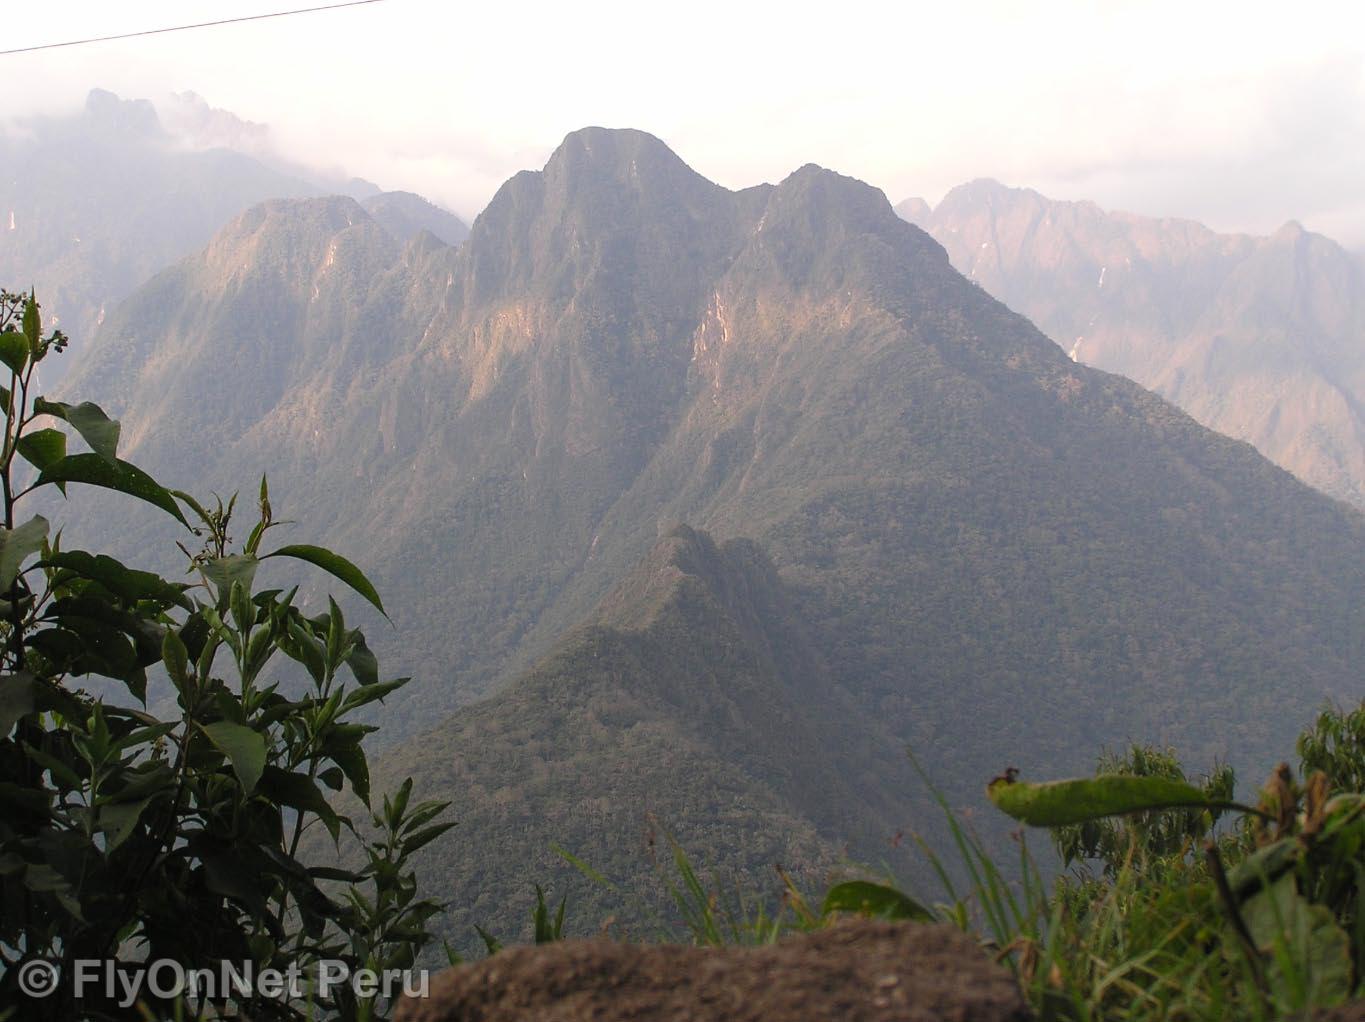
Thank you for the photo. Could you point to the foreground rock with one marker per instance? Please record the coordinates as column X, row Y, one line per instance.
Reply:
column 858, row 971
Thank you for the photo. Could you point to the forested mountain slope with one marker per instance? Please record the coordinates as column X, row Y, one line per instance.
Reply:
column 693, row 705
column 1001, row 555
column 1259, row 338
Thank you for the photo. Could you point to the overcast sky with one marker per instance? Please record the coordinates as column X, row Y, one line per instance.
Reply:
column 1242, row 115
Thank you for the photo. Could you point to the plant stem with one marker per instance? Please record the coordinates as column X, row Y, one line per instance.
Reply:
column 1244, row 938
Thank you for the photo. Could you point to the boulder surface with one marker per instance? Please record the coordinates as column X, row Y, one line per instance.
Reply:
column 856, row 971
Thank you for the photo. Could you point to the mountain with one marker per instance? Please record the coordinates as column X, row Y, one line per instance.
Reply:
column 991, row 553
column 1259, row 338
column 691, row 704
column 405, row 215
column 94, row 204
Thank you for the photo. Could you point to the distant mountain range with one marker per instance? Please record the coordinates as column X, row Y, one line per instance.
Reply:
column 93, row 205
column 1261, row 338
column 923, row 523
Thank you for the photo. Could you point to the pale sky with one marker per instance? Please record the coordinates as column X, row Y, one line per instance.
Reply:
column 1242, row 115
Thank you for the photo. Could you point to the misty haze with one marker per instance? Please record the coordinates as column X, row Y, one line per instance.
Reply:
column 873, row 532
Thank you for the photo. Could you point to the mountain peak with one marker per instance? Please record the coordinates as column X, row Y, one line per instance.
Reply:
column 327, row 213
column 127, row 117
column 610, row 205
column 822, row 229
column 679, row 553
column 826, row 196
column 915, row 210
column 1291, row 230
column 735, row 576
column 405, row 215
column 620, row 156
column 595, row 142
column 986, row 191
column 987, row 186
column 291, row 242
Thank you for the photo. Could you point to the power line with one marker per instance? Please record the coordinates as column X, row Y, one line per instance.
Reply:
column 182, row 28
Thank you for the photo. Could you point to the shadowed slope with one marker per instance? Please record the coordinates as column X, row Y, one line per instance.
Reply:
column 1000, row 555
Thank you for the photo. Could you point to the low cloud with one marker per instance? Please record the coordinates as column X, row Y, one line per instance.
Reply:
column 1240, row 114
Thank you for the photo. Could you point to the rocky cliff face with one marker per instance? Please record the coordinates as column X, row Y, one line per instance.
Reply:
column 1259, row 338
column 999, row 553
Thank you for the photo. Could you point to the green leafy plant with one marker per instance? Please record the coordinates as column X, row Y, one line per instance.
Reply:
column 129, row 838
column 1335, row 744
column 545, row 929
column 1289, row 904
column 1139, row 804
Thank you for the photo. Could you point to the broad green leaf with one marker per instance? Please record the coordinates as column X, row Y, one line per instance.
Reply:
column 369, row 693
column 1264, row 865
column 423, row 814
column 62, row 773
column 42, row 447
column 336, row 633
column 1062, row 803
column 93, row 647
column 305, row 649
column 127, row 583
column 1342, row 811
column 244, row 747
column 224, row 571
column 333, row 778
column 424, row 836
column 876, row 900
column 17, row 699
column 14, row 350
column 225, row 874
column 20, row 799
column 117, row 475
column 294, row 789
column 42, row 878
column 112, row 642
column 117, row 820
column 395, row 807
column 353, row 764
column 243, row 610
column 18, row 544
column 176, row 658
column 149, row 778
column 89, row 420
column 259, row 650
column 259, row 529
column 333, row 564
column 1309, row 953
column 299, row 792
column 220, row 631
column 363, row 663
